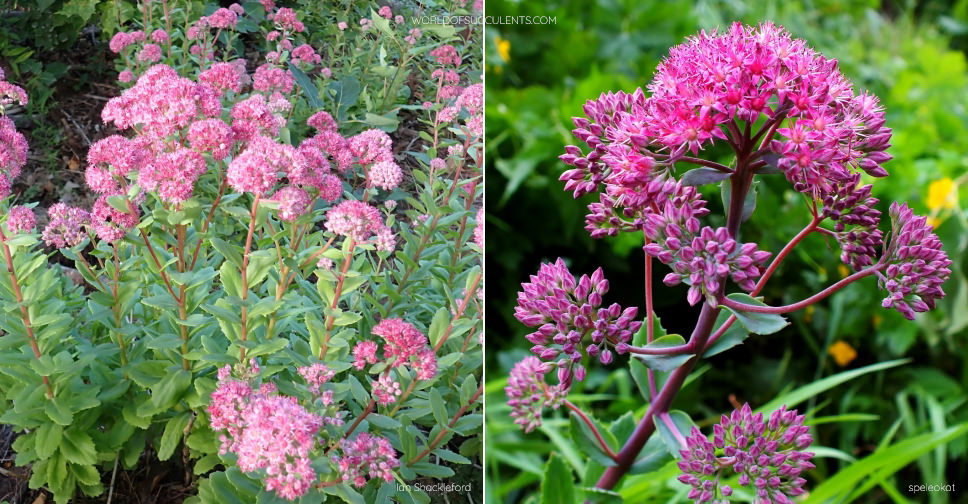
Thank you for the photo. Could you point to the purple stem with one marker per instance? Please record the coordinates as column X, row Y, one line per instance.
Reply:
column 734, row 305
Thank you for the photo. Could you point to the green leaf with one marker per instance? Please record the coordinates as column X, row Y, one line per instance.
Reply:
column 862, row 475
column 757, row 323
column 47, row 438
column 703, row 175
column 600, row 496
column 169, row 390
column 381, row 23
column 664, row 363
column 438, row 325
column 231, row 279
column 585, row 438
column 735, row 335
column 385, row 123
column 78, row 447
column 792, row 398
column 681, row 423
column 308, row 88
column 653, row 457
column 173, row 434
column 748, row 205
column 557, row 482
column 58, row 411
column 228, row 251
column 260, row 262
column 438, row 407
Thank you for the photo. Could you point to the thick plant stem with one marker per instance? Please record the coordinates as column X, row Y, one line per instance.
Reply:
column 116, row 306
column 330, row 319
column 23, row 308
column 244, row 334
column 740, row 182
column 645, row 428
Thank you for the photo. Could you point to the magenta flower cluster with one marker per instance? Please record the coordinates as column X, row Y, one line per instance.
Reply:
column 566, row 312
column 528, row 393
column 917, row 266
column 767, row 455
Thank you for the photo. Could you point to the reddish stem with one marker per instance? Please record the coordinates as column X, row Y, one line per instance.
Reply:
column 451, row 424
column 23, row 308
column 584, row 418
column 734, row 305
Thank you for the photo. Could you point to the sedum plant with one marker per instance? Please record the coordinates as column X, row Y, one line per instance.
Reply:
column 782, row 109
column 283, row 316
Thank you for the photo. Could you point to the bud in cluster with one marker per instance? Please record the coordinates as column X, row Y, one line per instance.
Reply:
column 705, row 261
column 366, row 455
column 917, row 265
column 528, row 394
column 851, row 206
column 566, row 311
column 766, row 455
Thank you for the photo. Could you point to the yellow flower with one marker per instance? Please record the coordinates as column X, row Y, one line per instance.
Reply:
column 934, row 222
column 942, row 194
column 842, row 352
column 503, row 48
column 843, row 271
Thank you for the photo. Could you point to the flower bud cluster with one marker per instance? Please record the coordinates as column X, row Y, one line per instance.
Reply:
column 767, row 455
column 566, row 311
column 917, row 265
column 851, row 207
column 528, row 393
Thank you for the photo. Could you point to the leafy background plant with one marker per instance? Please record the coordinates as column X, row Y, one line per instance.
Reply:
column 108, row 336
column 911, row 56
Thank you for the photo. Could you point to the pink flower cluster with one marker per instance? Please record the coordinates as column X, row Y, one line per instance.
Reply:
column 121, row 40
column 13, row 154
column 917, row 264
column 223, row 76
column 446, row 55
column 162, row 103
column 173, row 174
column 360, row 221
column 316, row 376
column 364, row 353
column 405, row 344
column 366, row 455
column 528, row 393
column 703, row 86
column 108, row 222
column 21, row 219
column 267, row 432
column 66, row 226
column 566, row 311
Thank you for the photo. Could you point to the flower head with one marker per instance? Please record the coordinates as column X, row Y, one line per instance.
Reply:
column 566, row 311
column 66, row 226
column 366, row 455
column 767, row 455
column 355, row 219
column 917, row 265
column 21, row 219
column 528, row 394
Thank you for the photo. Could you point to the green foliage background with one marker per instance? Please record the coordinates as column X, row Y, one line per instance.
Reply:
column 910, row 54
